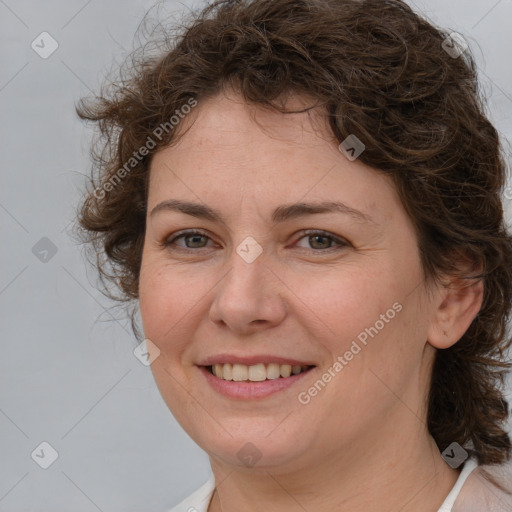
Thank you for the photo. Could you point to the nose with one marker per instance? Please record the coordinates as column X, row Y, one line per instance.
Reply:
column 249, row 298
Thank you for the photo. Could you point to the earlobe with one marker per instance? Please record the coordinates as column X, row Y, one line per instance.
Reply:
column 458, row 306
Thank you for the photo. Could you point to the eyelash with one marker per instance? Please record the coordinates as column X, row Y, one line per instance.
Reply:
column 168, row 243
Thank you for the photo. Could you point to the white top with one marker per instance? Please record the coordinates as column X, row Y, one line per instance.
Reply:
column 200, row 499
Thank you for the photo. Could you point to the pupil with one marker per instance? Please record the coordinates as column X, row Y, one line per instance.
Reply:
column 316, row 237
column 194, row 238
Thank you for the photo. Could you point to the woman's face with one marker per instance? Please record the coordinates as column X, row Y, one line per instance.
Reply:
column 267, row 281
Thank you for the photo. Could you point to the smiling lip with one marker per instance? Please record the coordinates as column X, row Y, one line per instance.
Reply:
column 248, row 390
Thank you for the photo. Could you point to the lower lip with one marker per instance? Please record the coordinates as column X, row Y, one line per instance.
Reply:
column 250, row 390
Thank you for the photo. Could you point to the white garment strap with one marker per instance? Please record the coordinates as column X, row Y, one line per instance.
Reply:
column 469, row 466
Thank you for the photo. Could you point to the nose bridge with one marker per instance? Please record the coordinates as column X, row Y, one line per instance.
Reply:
column 249, row 268
column 249, row 294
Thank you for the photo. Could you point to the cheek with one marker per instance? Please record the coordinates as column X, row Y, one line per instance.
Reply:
column 166, row 298
column 162, row 302
column 154, row 296
column 375, row 324
column 167, row 307
column 349, row 303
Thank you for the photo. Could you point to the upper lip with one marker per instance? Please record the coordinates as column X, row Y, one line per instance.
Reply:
column 252, row 360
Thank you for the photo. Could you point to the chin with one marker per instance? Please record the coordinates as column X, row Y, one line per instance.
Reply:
column 257, row 451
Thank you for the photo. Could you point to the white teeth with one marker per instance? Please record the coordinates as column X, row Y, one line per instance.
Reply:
column 227, row 372
column 285, row 370
column 256, row 372
column 240, row 372
column 273, row 371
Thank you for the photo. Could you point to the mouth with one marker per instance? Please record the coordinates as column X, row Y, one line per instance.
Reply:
column 256, row 380
column 257, row 372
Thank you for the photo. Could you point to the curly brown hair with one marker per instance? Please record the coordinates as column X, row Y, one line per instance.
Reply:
column 379, row 71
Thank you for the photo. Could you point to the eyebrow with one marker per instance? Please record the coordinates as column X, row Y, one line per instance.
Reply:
column 280, row 214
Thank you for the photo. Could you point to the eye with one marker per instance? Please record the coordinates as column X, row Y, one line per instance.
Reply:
column 192, row 239
column 321, row 240
column 317, row 240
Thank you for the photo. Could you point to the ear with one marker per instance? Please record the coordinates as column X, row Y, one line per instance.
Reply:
column 458, row 303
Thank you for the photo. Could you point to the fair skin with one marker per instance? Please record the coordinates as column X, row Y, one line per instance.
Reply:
column 362, row 439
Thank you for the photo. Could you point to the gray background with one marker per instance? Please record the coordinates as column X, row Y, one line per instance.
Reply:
column 68, row 374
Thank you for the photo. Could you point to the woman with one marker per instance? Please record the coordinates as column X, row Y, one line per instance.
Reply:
column 303, row 197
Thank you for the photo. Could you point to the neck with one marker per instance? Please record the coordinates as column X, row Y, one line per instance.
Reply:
column 406, row 473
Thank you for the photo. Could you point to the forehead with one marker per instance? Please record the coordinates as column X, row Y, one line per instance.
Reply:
column 231, row 148
column 226, row 120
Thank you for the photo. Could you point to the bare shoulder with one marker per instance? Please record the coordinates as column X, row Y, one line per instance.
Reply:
column 488, row 488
